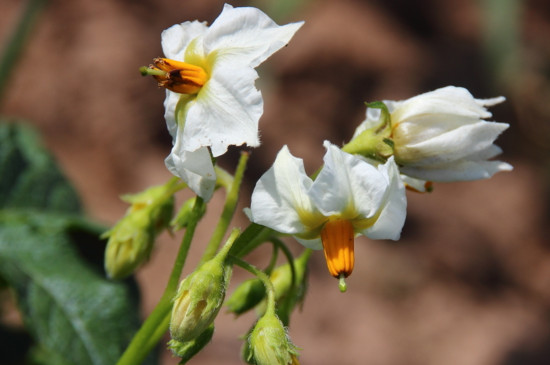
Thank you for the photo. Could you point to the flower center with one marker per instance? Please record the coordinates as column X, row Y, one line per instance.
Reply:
column 337, row 237
column 179, row 77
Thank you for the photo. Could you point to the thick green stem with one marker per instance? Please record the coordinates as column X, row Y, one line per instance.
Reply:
column 156, row 324
column 229, row 208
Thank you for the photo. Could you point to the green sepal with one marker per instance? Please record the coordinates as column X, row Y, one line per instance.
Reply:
column 186, row 350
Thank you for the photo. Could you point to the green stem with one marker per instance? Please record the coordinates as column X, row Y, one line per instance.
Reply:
column 253, row 236
column 229, row 208
column 156, row 324
column 260, row 275
column 289, row 258
column 15, row 45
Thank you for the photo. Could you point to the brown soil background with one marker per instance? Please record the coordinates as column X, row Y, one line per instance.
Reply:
column 468, row 283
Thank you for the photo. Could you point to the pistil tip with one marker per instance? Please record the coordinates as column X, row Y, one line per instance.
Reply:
column 143, row 70
column 342, row 283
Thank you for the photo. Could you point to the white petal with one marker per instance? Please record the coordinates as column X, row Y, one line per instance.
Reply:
column 449, row 100
column 347, row 186
column 315, row 244
column 465, row 170
column 394, row 207
column 451, row 146
column 280, row 199
column 247, row 34
column 170, row 104
column 195, row 168
column 225, row 112
column 176, row 38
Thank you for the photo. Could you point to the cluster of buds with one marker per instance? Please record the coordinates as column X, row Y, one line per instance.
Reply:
column 131, row 239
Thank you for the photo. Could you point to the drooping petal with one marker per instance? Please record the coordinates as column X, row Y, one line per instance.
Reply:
column 225, row 112
column 280, row 200
column 170, row 104
column 247, row 35
column 175, row 39
column 195, row 168
column 464, row 170
column 393, row 209
column 347, row 186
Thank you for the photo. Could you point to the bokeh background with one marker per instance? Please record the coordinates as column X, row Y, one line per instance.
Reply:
column 468, row 283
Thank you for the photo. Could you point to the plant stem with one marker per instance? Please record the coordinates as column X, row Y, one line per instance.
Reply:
column 17, row 41
column 156, row 324
column 260, row 275
column 231, row 201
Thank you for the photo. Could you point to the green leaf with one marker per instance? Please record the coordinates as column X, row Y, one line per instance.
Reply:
column 29, row 176
column 75, row 314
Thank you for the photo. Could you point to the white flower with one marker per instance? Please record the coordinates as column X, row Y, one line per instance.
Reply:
column 442, row 135
column 211, row 100
column 348, row 197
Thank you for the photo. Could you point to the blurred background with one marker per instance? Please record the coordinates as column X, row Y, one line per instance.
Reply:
column 468, row 283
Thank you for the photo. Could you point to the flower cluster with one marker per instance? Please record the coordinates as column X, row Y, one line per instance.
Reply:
column 212, row 103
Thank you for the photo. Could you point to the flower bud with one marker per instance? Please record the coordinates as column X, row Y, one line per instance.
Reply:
column 246, row 296
column 281, row 277
column 131, row 239
column 186, row 350
column 270, row 344
column 181, row 220
column 199, row 298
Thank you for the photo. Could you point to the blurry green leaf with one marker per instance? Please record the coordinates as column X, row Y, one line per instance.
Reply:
column 75, row 314
column 29, row 177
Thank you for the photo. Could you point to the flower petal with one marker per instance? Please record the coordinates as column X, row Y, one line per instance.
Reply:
column 450, row 100
column 175, row 39
column 247, row 35
column 394, row 207
column 280, row 199
column 454, row 145
column 465, row 170
column 225, row 112
column 347, row 186
column 170, row 104
column 195, row 168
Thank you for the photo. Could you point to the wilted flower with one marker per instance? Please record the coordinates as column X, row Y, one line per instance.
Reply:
column 211, row 100
column 441, row 135
column 348, row 197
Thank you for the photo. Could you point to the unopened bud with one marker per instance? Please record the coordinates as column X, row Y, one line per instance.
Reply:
column 131, row 239
column 186, row 350
column 246, row 296
column 199, row 298
column 181, row 220
column 269, row 343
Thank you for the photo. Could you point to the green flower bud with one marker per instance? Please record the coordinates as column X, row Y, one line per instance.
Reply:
column 131, row 239
column 199, row 298
column 181, row 220
column 270, row 344
column 246, row 296
column 281, row 277
column 186, row 350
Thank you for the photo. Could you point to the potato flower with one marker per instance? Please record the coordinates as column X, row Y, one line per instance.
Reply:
column 441, row 135
column 211, row 100
column 348, row 197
